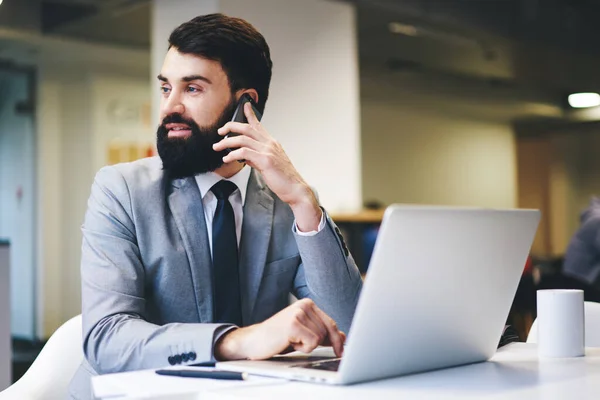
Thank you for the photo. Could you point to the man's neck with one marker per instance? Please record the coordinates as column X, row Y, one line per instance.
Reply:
column 230, row 169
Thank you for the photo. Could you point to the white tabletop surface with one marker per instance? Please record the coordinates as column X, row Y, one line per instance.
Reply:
column 515, row 372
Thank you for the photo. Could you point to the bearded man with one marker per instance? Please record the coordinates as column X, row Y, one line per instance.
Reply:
column 191, row 256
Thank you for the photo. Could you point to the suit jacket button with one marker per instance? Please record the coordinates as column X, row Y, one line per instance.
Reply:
column 192, row 356
column 171, row 360
column 185, row 357
column 178, row 359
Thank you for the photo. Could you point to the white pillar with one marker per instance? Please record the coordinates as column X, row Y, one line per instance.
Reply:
column 313, row 106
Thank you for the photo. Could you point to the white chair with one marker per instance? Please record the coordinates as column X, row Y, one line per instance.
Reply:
column 592, row 326
column 50, row 374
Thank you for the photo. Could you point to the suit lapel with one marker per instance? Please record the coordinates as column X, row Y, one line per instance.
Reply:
column 185, row 202
column 254, row 244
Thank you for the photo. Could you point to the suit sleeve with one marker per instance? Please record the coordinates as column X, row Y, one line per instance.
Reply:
column 116, row 335
column 328, row 274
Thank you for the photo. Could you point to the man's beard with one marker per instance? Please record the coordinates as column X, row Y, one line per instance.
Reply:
column 183, row 157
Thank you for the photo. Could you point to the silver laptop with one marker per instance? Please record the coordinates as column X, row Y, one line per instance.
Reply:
column 437, row 294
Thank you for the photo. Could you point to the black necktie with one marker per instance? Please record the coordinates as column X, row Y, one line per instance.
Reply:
column 225, row 257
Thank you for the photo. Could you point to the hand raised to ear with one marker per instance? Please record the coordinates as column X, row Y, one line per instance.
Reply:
column 259, row 150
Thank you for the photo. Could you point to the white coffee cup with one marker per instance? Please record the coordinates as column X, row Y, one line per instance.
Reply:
column 561, row 323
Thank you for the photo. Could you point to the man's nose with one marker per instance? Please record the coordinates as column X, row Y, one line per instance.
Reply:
column 173, row 105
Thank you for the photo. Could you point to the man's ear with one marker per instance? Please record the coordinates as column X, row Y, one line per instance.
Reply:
column 252, row 92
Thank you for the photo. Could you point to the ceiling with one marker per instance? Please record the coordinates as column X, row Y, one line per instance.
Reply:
column 120, row 22
column 548, row 46
column 565, row 23
column 543, row 44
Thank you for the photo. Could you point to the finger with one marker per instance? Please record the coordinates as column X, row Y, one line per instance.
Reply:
column 333, row 337
column 250, row 115
column 333, row 333
column 326, row 342
column 234, row 142
column 305, row 315
column 314, row 323
column 239, row 128
column 253, row 158
column 303, row 339
column 244, row 153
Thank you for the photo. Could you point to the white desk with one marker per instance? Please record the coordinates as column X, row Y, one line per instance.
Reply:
column 513, row 373
column 5, row 342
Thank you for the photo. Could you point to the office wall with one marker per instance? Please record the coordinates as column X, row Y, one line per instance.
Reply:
column 78, row 98
column 428, row 146
column 50, row 211
column 533, row 159
column 589, row 158
column 81, row 114
column 565, row 186
column 18, row 196
column 558, row 173
column 122, row 128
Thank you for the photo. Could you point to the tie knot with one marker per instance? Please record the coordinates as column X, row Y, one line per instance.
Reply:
column 223, row 189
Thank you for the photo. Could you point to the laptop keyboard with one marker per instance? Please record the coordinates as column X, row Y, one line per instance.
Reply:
column 327, row 365
column 300, row 360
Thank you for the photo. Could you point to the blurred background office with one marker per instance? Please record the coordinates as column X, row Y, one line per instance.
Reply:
column 450, row 102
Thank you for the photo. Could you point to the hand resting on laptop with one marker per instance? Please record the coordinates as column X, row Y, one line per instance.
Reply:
column 301, row 326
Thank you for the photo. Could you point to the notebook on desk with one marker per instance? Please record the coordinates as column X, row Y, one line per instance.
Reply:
column 437, row 294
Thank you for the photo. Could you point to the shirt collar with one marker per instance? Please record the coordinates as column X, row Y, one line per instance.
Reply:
column 207, row 180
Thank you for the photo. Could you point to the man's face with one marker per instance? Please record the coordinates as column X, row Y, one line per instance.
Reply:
column 196, row 100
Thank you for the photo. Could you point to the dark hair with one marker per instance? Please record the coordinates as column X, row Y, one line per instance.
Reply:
column 242, row 51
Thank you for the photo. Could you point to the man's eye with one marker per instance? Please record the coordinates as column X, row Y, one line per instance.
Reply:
column 165, row 89
column 193, row 89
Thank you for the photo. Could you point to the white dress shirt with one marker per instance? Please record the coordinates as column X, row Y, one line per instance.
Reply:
column 237, row 200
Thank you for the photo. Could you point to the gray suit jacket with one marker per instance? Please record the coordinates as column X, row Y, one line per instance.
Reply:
column 146, row 270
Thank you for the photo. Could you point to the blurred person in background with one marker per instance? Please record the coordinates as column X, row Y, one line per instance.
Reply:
column 582, row 259
column 191, row 256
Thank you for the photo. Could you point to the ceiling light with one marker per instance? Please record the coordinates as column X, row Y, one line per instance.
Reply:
column 584, row 100
column 0, row 1
column 403, row 29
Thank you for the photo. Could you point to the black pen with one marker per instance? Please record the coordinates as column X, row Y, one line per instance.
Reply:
column 203, row 364
column 193, row 373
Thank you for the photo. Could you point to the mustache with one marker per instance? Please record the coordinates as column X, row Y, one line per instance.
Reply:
column 178, row 119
